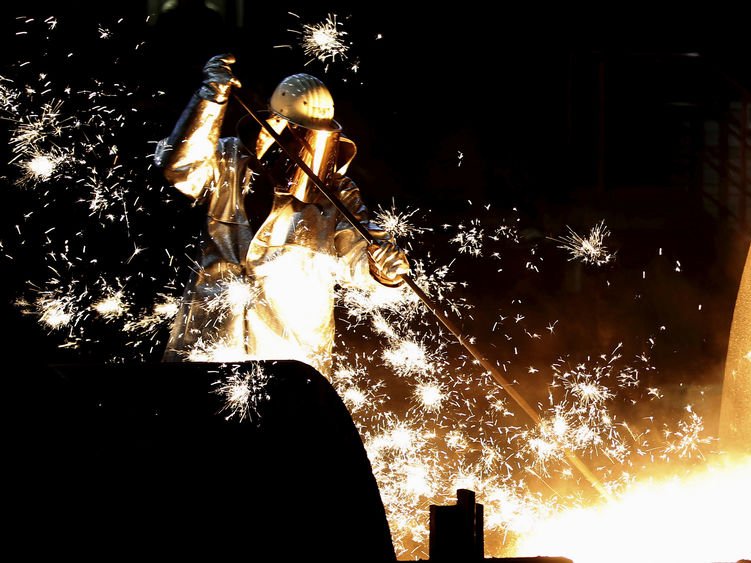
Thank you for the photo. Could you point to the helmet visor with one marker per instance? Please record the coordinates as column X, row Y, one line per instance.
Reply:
column 318, row 149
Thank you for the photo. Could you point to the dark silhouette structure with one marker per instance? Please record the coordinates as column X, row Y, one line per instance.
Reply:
column 456, row 532
column 136, row 459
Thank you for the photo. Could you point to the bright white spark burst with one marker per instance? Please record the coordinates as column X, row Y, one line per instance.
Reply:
column 243, row 391
column 40, row 167
column 235, row 294
column 37, row 126
column 590, row 249
column 324, row 41
column 111, row 306
column 397, row 223
column 408, row 357
column 221, row 350
column 430, row 396
column 167, row 308
column 55, row 310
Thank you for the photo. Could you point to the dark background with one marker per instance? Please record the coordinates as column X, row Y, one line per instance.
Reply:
column 570, row 116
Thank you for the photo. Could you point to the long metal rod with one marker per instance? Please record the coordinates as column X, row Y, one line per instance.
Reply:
column 427, row 301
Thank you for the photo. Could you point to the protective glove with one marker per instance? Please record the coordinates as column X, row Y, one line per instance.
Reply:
column 387, row 261
column 218, row 79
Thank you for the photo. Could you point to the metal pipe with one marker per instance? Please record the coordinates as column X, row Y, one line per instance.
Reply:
column 493, row 370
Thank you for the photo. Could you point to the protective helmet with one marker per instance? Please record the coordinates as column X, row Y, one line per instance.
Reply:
column 305, row 101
